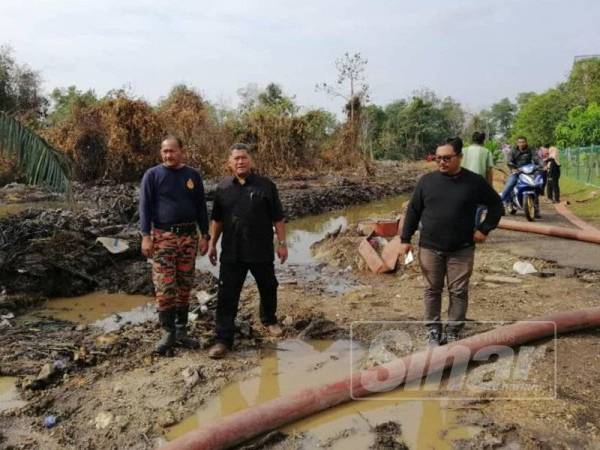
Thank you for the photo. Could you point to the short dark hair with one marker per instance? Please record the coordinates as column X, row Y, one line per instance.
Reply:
column 522, row 137
column 478, row 137
column 455, row 142
column 172, row 137
column 240, row 146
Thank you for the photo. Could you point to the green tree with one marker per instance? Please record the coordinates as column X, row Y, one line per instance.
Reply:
column 319, row 128
column 524, row 97
column 538, row 117
column 64, row 102
column 453, row 116
column 581, row 128
column 393, row 135
column 414, row 127
column 502, row 114
column 481, row 121
column 584, row 81
column 375, row 120
column 273, row 97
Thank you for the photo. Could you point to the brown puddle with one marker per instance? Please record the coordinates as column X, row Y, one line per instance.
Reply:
column 304, row 232
column 295, row 364
column 106, row 311
column 9, row 396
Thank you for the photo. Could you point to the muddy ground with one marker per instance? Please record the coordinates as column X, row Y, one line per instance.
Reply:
column 110, row 391
column 50, row 252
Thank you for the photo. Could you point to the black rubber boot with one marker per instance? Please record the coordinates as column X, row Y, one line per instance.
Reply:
column 167, row 341
column 181, row 336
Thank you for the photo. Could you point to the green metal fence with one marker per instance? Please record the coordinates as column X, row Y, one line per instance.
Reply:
column 582, row 164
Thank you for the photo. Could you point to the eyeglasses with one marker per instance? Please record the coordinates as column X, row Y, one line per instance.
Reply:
column 445, row 158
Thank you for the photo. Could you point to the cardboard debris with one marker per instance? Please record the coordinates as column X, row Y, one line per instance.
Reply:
column 391, row 253
column 371, row 257
column 387, row 261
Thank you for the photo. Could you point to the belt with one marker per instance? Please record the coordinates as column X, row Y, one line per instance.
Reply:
column 177, row 228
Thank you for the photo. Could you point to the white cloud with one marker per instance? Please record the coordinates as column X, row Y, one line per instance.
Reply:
column 475, row 51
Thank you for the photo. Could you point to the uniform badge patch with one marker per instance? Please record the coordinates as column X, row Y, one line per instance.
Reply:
column 190, row 184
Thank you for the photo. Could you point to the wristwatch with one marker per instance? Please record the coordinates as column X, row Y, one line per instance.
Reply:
column 282, row 243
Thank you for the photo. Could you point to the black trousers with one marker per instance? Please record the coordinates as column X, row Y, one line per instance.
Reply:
column 553, row 189
column 231, row 282
column 544, row 181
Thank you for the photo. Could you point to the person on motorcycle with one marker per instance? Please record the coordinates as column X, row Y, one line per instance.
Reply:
column 519, row 157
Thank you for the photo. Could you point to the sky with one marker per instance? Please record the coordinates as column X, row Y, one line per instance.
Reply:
column 477, row 51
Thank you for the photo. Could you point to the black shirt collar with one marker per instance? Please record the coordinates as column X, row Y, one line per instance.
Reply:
column 456, row 175
column 249, row 179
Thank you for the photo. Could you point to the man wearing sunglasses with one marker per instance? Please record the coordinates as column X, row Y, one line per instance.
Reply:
column 445, row 201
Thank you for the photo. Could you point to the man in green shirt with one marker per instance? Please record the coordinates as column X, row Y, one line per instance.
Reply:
column 477, row 158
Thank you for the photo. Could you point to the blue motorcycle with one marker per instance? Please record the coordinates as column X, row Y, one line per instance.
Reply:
column 525, row 195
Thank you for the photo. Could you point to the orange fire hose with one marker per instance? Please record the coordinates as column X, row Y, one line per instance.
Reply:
column 551, row 230
column 254, row 421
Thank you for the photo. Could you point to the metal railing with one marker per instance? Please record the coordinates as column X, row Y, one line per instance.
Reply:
column 582, row 164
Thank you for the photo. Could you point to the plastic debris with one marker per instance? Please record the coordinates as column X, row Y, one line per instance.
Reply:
column 103, row 420
column 49, row 421
column 114, row 245
column 59, row 364
column 524, row 268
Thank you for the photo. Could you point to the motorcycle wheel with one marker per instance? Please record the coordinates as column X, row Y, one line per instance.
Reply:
column 529, row 207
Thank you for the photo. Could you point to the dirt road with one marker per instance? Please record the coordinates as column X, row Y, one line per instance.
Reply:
column 109, row 391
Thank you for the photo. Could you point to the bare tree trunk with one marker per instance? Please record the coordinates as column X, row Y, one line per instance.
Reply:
column 352, row 101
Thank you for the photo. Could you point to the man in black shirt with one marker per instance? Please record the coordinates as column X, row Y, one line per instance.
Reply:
column 519, row 157
column 444, row 202
column 245, row 209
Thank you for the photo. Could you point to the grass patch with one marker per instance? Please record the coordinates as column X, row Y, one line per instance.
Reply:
column 584, row 199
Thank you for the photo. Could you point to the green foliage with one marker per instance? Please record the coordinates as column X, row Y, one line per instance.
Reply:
column 502, row 115
column 273, row 98
column 584, row 81
column 320, row 126
column 41, row 163
column 537, row 119
column 375, row 118
column 584, row 199
column 482, row 122
column 65, row 102
column 581, row 128
column 412, row 128
column 494, row 147
column 524, row 97
column 560, row 113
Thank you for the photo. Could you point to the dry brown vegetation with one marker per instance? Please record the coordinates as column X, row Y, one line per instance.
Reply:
column 118, row 136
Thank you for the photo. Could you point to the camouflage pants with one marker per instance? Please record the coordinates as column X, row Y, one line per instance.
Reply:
column 173, row 268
